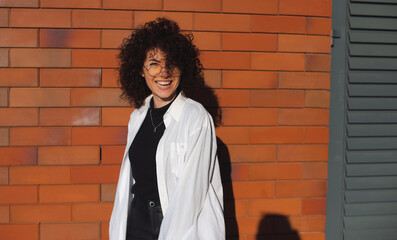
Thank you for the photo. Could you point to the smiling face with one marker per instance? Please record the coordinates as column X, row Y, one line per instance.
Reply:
column 164, row 84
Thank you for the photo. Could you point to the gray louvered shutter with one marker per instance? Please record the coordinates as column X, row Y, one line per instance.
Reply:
column 370, row 194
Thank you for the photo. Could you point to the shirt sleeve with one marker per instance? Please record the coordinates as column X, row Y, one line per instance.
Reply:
column 193, row 184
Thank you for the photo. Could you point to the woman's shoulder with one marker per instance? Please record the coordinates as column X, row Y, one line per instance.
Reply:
column 196, row 112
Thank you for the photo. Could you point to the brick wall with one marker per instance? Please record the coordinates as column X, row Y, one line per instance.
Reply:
column 63, row 126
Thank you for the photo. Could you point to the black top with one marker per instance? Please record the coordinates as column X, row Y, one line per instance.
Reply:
column 142, row 153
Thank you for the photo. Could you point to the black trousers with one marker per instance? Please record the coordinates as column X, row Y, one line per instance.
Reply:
column 144, row 220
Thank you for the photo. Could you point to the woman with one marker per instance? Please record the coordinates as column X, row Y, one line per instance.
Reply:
column 169, row 185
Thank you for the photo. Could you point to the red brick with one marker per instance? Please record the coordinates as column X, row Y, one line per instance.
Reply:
column 39, row 97
column 221, row 22
column 40, row 18
column 192, row 5
column 207, row 40
column 3, row 180
column 321, row 26
column 70, row 38
column 40, row 213
column 250, row 6
column 68, row 155
column 312, row 236
column 227, row 98
column 213, row 78
column 110, row 78
column 39, row 175
column 19, row 3
column 315, row 171
column 233, row 135
column 33, row 136
column 70, row 4
column 302, row 153
column 320, row 99
column 239, row 172
column 97, row 97
column 96, row 58
column 277, row 98
column 91, row 212
column 317, row 135
column 18, row 194
column 68, row 193
column 249, row 42
column 318, row 62
column 4, row 17
column 108, row 192
column 18, row 116
column 315, row 206
column 96, row 174
column 4, row 214
column 112, row 154
column 184, row 19
column 18, row 156
column 70, row 116
column 112, row 116
column 304, row 80
column 105, row 230
column 275, row 171
column 252, row 190
column 18, row 77
column 225, row 60
column 249, row 79
column 102, row 19
column 127, row 4
column 4, row 57
column 67, row 231
column 113, row 38
column 278, row 135
column 306, row 7
column 99, row 135
column 259, row 208
column 20, row 231
column 249, row 116
column 304, row 43
column 304, row 189
column 13, row 37
column 4, row 96
column 70, row 77
column 4, row 136
column 40, row 57
column 252, row 153
column 278, row 61
column 278, row 24
column 304, row 116
column 250, row 226
column 308, row 224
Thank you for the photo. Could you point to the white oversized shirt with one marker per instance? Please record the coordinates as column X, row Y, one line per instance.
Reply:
column 188, row 175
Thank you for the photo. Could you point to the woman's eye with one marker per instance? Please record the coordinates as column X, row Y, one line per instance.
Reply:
column 154, row 64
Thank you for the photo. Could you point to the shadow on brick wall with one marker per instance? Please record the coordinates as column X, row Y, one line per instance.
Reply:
column 276, row 227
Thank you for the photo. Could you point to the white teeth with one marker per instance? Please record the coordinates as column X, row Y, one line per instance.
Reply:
column 164, row 83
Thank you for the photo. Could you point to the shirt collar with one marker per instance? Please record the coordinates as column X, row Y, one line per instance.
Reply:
column 174, row 110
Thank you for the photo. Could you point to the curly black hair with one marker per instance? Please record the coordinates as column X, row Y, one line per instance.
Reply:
column 180, row 52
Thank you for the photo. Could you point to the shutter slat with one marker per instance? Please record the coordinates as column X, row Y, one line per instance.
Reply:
column 366, row 196
column 372, row 130
column 365, row 9
column 374, row 50
column 373, row 76
column 362, row 143
column 371, row 182
column 374, row 63
column 367, row 156
column 371, row 222
column 365, row 36
column 372, row 90
column 376, row 1
column 380, row 169
column 360, row 103
column 370, row 209
column 373, row 23
column 373, row 234
column 372, row 116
